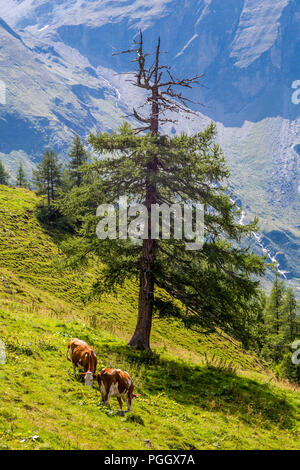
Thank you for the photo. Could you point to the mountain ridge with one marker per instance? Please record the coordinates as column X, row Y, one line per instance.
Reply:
column 63, row 81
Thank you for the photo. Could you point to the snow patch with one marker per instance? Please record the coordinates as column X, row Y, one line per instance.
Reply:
column 186, row 46
column 45, row 27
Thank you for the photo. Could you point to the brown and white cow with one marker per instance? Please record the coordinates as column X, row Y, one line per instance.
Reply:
column 116, row 383
column 82, row 355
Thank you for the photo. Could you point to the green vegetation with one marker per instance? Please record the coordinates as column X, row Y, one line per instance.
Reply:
column 199, row 390
column 47, row 176
column 21, row 179
column 282, row 327
column 215, row 283
column 78, row 157
column 4, row 175
column 162, row 174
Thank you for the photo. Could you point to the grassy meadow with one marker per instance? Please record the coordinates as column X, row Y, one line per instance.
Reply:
column 198, row 390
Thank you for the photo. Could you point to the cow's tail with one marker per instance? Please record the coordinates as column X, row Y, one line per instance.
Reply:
column 92, row 363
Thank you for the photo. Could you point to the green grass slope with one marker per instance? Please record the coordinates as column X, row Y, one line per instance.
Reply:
column 198, row 391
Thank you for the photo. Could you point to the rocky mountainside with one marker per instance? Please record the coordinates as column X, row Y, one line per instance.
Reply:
column 60, row 75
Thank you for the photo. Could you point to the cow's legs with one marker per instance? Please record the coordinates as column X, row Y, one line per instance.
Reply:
column 104, row 393
column 120, row 412
column 74, row 369
column 106, row 398
column 120, row 402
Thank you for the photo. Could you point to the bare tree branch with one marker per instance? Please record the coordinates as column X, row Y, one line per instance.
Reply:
column 163, row 98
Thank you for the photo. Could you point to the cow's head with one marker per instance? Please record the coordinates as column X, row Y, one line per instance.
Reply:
column 135, row 395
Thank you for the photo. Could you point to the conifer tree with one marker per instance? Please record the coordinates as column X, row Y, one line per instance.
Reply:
column 291, row 331
column 274, row 308
column 21, row 179
column 281, row 322
column 291, row 318
column 67, row 182
column 4, row 175
column 78, row 156
column 47, row 176
column 286, row 369
column 215, row 283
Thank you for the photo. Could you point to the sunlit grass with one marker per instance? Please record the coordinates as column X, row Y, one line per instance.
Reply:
column 198, row 391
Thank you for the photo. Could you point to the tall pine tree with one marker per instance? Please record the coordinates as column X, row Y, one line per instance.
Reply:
column 274, row 308
column 216, row 283
column 290, row 313
column 282, row 327
column 47, row 176
column 21, row 179
column 78, row 156
column 281, row 321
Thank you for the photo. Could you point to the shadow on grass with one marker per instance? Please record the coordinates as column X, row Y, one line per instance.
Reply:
column 209, row 387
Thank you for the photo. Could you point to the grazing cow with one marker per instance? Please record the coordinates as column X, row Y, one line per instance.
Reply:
column 82, row 355
column 116, row 383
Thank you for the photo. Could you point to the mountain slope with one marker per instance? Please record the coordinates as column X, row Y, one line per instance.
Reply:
column 62, row 79
column 239, row 45
column 198, row 391
column 45, row 105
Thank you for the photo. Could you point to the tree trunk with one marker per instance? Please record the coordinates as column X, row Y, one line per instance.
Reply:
column 48, row 194
column 141, row 337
